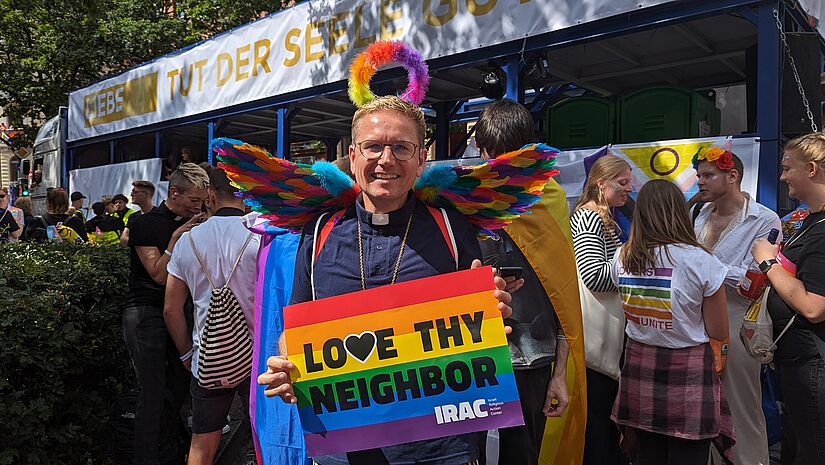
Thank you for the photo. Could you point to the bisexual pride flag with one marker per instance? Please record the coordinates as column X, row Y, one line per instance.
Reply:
column 417, row 360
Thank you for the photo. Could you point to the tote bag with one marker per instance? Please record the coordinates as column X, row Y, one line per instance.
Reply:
column 603, row 321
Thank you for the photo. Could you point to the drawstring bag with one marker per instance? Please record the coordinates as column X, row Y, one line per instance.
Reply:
column 225, row 357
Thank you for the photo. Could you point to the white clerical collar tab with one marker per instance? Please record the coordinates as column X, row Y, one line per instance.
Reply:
column 380, row 219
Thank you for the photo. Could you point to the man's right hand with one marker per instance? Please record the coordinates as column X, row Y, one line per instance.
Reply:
column 277, row 381
column 194, row 221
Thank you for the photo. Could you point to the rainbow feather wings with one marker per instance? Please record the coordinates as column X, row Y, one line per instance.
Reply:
column 491, row 195
column 288, row 194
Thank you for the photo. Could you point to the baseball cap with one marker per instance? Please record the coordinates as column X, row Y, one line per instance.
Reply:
column 77, row 196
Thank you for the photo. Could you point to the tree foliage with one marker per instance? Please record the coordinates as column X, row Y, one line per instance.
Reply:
column 50, row 47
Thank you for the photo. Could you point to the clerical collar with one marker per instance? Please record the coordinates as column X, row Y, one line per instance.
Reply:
column 397, row 217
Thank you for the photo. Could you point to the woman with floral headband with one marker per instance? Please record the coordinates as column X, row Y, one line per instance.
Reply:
column 796, row 301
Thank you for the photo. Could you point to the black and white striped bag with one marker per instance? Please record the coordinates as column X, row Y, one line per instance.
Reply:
column 225, row 355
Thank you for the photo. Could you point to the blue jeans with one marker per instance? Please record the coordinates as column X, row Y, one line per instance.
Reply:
column 803, row 390
column 163, row 382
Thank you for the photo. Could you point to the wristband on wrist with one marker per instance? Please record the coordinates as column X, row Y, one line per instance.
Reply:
column 168, row 253
column 187, row 355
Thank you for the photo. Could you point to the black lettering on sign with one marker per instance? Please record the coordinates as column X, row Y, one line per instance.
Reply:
column 458, row 375
column 346, row 395
column 431, row 381
column 381, row 389
column 325, row 398
column 312, row 365
column 409, row 384
column 424, row 329
column 385, row 388
column 340, row 358
column 473, row 324
column 484, row 371
column 384, row 344
column 445, row 333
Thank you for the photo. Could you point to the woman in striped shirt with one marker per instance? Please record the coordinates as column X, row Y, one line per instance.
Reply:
column 595, row 240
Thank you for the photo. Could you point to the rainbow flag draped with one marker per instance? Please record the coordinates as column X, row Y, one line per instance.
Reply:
column 276, row 428
column 545, row 239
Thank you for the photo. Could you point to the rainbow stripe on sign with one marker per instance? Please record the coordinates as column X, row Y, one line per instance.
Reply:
column 647, row 297
column 417, row 360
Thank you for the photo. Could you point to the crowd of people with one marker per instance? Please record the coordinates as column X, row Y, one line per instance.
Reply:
column 66, row 217
column 687, row 390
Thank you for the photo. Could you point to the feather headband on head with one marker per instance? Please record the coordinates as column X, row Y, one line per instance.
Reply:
column 380, row 53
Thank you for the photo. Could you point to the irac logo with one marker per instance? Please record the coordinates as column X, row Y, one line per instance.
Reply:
column 463, row 411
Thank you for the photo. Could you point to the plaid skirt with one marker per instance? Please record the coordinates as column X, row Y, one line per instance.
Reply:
column 674, row 392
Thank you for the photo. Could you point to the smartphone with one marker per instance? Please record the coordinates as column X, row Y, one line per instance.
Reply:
column 508, row 271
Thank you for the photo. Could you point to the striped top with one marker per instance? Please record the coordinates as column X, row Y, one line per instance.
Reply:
column 594, row 248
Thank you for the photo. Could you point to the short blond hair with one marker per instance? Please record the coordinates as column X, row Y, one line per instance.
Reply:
column 187, row 176
column 810, row 147
column 391, row 103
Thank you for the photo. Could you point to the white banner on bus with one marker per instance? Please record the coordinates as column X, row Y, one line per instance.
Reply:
column 108, row 180
column 309, row 45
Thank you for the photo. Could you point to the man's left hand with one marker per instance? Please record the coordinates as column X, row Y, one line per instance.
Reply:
column 763, row 250
column 557, row 398
column 500, row 294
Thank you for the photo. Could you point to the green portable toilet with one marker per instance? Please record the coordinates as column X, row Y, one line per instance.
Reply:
column 581, row 122
column 667, row 112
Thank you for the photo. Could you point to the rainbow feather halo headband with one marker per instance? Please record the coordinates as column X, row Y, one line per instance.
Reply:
column 378, row 54
column 723, row 159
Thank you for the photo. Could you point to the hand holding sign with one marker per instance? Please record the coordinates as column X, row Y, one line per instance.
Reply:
column 277, row 378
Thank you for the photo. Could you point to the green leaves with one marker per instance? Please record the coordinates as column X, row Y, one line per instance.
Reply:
column 49, row 48
column 62, row 357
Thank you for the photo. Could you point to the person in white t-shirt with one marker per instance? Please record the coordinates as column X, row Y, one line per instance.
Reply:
column 670, row 394
column 219, row 241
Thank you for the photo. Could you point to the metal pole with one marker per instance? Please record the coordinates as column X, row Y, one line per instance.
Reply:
column 514, row 89
column 283, row 133
column 210, row 129
column 768, row 83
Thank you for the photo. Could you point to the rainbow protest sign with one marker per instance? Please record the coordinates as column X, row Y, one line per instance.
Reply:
column 416, row 360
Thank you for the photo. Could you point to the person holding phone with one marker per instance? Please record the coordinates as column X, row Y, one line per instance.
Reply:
column 538, row 338
column 797, row 298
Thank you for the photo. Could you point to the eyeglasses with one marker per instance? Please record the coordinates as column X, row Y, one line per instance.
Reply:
column 401, row 150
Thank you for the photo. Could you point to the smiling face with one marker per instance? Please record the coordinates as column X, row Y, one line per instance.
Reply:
column 797, row 173
column 616, row 190
column 386, row 180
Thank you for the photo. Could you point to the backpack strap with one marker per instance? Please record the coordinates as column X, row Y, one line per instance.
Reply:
column 443, row 222
column 319, row 238
column 695, row 211
column 203, row 265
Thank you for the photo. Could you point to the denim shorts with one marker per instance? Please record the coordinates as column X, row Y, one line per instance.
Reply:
column 210, row 406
